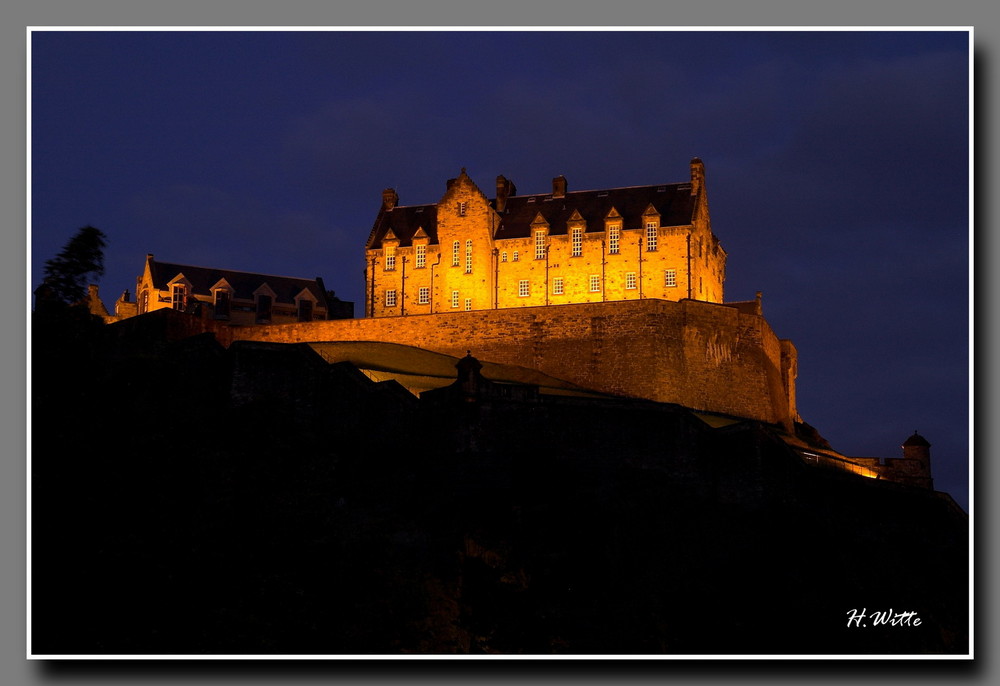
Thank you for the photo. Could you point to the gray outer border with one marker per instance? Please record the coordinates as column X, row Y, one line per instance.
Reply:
column 15, row 669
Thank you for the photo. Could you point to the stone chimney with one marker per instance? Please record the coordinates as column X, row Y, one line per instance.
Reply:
column 389, row 199
column 697, row 175
column 505, row 189
column 559, row 187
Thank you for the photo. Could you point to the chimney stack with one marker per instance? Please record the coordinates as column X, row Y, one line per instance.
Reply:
column 559, row 187
column 389, row 199
column 505, row 189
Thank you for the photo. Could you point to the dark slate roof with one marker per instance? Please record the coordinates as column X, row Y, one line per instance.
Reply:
column 404, row 222
column 673, row 202
column 244, row 283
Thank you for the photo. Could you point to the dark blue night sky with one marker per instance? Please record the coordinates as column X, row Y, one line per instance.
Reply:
column 837, row 166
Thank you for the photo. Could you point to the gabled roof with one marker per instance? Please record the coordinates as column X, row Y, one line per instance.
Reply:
column 404, row 222
column 243, row 283
column 672, row 201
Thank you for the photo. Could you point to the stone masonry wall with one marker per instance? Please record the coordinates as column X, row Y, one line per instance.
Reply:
column 702, row 355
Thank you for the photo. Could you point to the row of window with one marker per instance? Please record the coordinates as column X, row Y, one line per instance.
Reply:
column 223, row 304
column 576, row 239
column 524, row 288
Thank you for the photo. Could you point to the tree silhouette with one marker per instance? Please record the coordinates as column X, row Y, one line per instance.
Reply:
column 67, row 273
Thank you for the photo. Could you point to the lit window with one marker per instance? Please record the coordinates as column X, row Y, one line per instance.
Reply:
column 614, row 239
column 454, row 299
column 539, row 245
column 468, row 257
column 424, row 295
column 178, row 296
column 468, row 304
column 595, row 283
column 390, row 297
column 144, row 302
column 670, row 278
column 421, row 251
column 305, row 310
column 456, row 255
column 390, row 258
column 462, row 207
column 630, row 281
column 523, row 288
column 557, row 285
column 515, row 256
column 577, row 242
column 222, row 304
column 263, row 308
column 651, row 235
column 503, row 257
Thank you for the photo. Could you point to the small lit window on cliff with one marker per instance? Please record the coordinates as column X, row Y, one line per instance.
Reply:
column 305, row 310
column 424, row 295
column 503, row 257
column 263, row 309
column 651, row 236
column 454, row 299
column 630, row 281
column 670, row 278
column 515, row 256
column 421, row 251
column 468, row 304
column 539, row 245
column 523, row 288
column 222, row 304
column 595, row 283
column 557, row 285
column 178, row 294
column 390, row 297
column 456, row 255
column 468, row 257
column 577, row 242
column 462, row 207
column 614, row 239
column 390, row 258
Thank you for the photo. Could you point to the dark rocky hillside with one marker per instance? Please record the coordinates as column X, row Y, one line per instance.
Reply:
column 191, row 499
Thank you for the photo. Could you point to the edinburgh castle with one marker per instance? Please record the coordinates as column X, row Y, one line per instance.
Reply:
column 548, row 433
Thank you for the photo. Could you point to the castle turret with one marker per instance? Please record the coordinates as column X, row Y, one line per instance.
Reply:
column 917, row 448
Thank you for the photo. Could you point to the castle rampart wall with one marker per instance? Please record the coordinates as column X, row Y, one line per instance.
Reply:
column 702, row 355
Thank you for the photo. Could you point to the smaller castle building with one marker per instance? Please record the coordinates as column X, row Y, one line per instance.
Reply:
column 230, row 296
column 470, row 252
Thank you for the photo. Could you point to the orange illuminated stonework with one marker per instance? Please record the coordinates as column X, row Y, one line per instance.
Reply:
column 471, row 252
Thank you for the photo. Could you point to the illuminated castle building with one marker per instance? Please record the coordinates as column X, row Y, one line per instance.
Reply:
column 467, row 252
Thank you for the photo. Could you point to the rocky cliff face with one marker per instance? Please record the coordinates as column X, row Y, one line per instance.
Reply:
column 192, row 499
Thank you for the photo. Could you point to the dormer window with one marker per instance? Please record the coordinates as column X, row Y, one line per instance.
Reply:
column 614, row 239
column 264, row 303
column 577, row 238
column 178, row 296
column 305, row 310
column 421, row 255
column 540, row 244
column 652, row 233
column 390, row 258
column 222, row 303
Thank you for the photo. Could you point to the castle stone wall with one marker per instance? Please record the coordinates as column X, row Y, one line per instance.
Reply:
column 702, row 355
